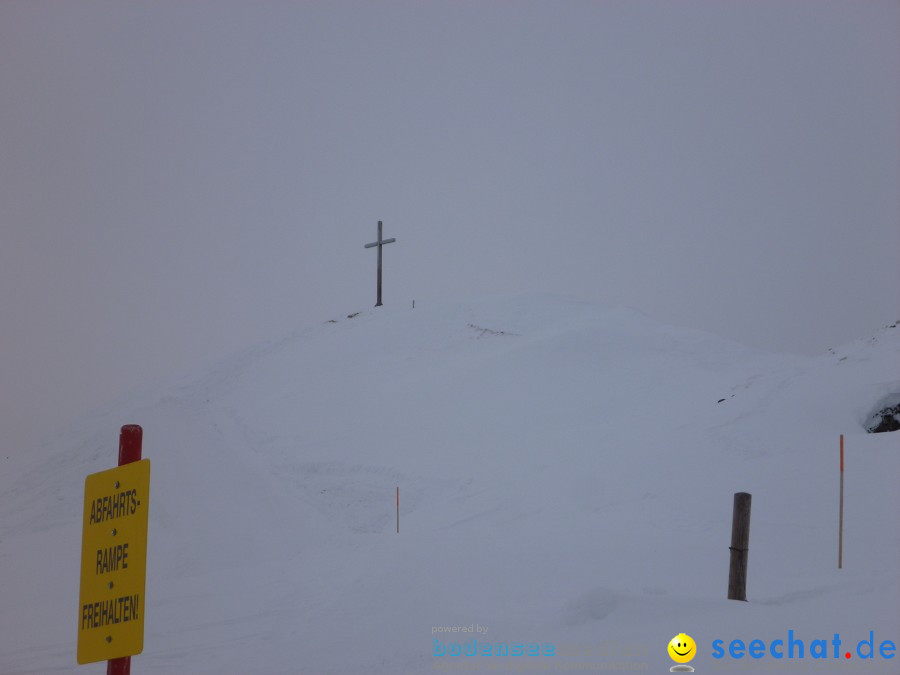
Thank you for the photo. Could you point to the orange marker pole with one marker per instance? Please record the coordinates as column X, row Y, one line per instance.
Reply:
column 398, row 509
column 841, row 512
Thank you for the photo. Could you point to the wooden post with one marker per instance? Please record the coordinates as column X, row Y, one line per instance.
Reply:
column 841, row 512
column 740, row 541
column 130, row 440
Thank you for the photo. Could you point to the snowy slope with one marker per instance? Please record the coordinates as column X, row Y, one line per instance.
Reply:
column 566, row 475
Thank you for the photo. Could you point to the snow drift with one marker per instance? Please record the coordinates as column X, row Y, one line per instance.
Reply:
column 566, row 475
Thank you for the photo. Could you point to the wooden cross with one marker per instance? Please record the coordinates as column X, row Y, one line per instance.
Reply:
column 379, row 244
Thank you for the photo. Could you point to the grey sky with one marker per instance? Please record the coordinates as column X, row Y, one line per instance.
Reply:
column 178, row 180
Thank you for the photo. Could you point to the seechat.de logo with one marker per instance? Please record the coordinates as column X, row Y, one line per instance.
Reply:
column 794, row 647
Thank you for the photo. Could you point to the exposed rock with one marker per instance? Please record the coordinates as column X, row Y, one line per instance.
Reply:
column 890, row 420
column 887, row 417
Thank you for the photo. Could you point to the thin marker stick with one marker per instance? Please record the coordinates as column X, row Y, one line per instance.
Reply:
column 841, row 512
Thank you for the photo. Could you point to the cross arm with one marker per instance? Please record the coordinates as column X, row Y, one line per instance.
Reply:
column 383, row 241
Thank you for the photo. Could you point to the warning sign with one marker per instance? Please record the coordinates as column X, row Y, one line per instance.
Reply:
column 113, row 563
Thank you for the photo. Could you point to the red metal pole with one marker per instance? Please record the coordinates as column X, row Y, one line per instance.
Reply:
column 129, row 451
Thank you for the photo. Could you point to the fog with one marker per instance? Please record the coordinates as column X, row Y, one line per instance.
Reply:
column 180, row 180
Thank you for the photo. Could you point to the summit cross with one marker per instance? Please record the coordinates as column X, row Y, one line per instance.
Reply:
column 379, row 244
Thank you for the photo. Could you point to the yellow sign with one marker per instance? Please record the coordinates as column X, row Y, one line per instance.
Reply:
column 113, row 563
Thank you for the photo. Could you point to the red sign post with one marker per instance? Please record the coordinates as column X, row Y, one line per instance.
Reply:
column 130, row 439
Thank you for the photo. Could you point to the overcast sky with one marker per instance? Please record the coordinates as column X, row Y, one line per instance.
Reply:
column 182, row 179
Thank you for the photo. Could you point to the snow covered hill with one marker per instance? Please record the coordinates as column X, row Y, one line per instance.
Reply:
column 566, row 475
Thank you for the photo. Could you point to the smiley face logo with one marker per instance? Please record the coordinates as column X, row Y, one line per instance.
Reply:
column 682, row 648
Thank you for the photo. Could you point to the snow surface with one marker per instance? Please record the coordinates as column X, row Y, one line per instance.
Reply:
column 566, row 476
